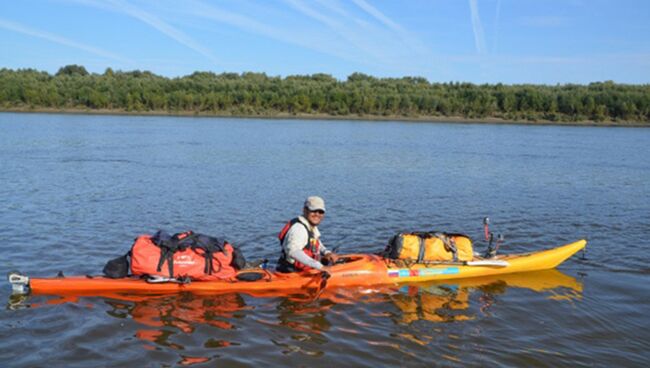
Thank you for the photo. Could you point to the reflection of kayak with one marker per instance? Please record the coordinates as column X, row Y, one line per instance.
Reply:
column 449, row 300
column 354, row 270
column 538, row 281
column 434, row 301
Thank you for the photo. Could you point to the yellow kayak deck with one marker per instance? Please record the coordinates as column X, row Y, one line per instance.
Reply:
column 505, row 264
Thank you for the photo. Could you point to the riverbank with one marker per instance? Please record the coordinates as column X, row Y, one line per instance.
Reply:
column 303, row 116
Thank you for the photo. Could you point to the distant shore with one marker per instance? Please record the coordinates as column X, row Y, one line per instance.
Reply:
column 320, row 96
column 303, row 116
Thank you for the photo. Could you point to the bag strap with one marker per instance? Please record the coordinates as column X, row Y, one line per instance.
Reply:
column 421, row 250
column 167, row 254
column 209, row 245
column 168, row 246
column 449, row 243
column 185, row 239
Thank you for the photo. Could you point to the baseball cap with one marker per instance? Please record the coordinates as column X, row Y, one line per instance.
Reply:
column 315, row 203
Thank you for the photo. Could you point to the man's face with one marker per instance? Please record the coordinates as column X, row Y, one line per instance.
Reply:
column 314, row 217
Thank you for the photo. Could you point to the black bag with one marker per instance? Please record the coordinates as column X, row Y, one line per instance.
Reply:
column 117, row 268
column 238, row 259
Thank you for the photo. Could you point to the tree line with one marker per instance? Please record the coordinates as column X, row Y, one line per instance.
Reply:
column 72, row 87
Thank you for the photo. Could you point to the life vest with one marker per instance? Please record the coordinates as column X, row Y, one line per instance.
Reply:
column 187, row 254
column 311, row 249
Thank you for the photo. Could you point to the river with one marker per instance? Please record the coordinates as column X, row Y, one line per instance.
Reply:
column 75, row 190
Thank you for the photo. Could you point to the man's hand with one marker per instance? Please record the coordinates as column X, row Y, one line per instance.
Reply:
column 331, row 258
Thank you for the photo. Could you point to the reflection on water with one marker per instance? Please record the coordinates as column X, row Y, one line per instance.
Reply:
column 165, row 322
column 433, row 303
column 449, row 301
column 163, row 317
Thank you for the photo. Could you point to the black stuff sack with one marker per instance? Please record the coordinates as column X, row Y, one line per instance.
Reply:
column 117, row 268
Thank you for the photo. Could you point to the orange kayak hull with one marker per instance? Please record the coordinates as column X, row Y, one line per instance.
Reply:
column 359, row 270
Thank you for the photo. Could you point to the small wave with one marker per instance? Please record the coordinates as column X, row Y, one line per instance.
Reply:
column 96, row 160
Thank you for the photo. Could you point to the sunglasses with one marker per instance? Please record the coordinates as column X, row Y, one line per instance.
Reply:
column 320, row 212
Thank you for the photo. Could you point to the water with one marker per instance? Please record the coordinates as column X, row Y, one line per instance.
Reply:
column 75, row 190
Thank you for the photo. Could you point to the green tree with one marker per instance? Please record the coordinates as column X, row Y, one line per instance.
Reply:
column 256, row 93
column 72, row 70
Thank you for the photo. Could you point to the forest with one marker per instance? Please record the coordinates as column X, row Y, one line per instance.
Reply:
column 321, row 95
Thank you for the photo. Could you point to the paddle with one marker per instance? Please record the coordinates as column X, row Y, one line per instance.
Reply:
column 489, row 237
column 500, row 240
column 155, row 279
column 486, row 227
column 488, row 262
column 324, row 276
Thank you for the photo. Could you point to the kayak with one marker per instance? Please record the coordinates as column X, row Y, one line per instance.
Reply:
column 351, row 270
column 434, row 301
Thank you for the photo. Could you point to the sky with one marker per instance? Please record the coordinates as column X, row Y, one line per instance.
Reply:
column 476, row 41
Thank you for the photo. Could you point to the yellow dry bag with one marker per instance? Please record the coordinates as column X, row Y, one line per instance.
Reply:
column 429, row 247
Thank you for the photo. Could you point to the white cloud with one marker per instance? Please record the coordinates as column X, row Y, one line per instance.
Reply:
column 251, row 25
column 496, row 27
column 378, row 15
column 479, row 37
column 15, row 27
column 351, row 35
column 150, row 19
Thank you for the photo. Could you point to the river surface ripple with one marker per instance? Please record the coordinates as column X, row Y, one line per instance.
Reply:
column 75, row 190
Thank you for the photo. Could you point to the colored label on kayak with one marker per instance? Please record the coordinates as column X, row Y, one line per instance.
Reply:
column 439, row 271
column 399, row 273
column 423, row 272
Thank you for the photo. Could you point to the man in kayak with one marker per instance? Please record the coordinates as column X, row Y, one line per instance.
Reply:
column 300, row 240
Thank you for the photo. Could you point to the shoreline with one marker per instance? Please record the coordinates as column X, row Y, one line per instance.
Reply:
column 303, row 116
